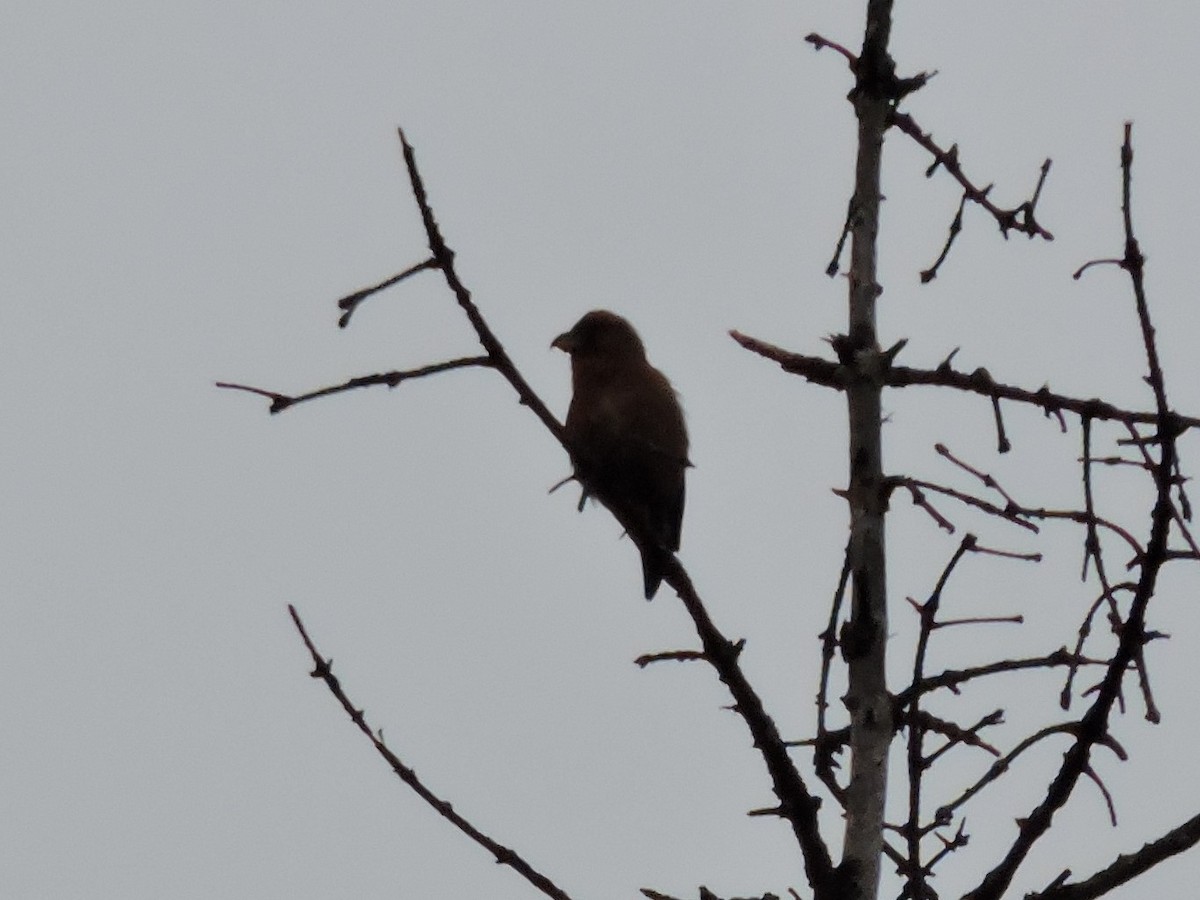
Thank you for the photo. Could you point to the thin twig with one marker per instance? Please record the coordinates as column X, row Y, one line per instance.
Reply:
column 987, row 480
column 951, row 679
column 669, row 655
column 1021, row 218
column 280, row 402
column 929, row 274
column 351, row 302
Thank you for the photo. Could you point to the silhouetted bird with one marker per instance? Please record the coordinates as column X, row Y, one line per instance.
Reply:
column 626, row 432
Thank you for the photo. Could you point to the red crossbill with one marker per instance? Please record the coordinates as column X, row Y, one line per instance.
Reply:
column 626, row 433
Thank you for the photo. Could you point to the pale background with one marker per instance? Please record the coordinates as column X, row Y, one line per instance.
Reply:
column 185, row 188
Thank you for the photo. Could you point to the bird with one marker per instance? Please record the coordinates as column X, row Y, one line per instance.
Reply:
column 626, row 434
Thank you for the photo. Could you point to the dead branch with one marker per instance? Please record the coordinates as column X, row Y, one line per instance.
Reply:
column 280, row 402
column 323, row 669
column 829, row 373
column 1125, row 867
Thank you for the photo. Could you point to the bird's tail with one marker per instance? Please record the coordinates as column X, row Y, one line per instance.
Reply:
column 654, row 565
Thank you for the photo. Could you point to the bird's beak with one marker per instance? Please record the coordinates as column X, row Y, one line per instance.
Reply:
column 564, row 342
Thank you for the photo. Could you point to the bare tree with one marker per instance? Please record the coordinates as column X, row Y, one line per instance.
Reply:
column 881, row 723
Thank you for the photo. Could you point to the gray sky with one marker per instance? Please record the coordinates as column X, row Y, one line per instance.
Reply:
column 185, row 189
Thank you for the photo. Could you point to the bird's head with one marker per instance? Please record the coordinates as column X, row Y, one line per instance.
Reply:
column 601, row 335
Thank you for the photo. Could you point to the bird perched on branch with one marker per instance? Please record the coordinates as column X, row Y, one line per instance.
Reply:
column 626, row 433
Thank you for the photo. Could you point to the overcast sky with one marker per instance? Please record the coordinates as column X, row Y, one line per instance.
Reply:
column 185, row 190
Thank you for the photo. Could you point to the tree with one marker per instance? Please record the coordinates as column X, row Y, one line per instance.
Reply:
column 880, row 715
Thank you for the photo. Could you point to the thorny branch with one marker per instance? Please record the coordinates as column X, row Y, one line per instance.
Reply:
column 1126, row 867
column 1021, row 218
column 951, row 679
column 830, row 373
column 323, row 669
column 863, row 640
column 1012, row 512
column 280, row 402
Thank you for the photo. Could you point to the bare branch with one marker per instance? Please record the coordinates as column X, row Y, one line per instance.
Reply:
column 919, row 499
column 826, row 744
column 987, row 480
column 952, row 678
column 820, row 43
column 797, row 806
column 1020, row 218
column 955, row 228
column 957, row 734
column 1011, row 514
column 322, row 669
column 280, row 402
column 669, row 655
column 1127, row 866
column 836, row 375
column 443, row 256
column 351, row 302
column 835, row 261
column 1108, row 800
column 1000, row 766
